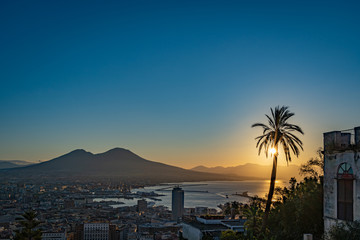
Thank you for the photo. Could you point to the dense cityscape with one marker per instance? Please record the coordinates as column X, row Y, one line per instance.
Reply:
column 66, row 210
column 88, row 208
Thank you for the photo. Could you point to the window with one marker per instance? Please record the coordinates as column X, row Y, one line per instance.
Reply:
column 345, row 192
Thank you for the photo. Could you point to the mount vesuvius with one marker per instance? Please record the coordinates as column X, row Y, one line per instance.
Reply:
column 117, row 162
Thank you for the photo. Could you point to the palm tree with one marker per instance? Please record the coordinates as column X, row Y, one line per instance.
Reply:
column 278, row 133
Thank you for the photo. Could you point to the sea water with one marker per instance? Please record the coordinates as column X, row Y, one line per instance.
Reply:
column 203, row 194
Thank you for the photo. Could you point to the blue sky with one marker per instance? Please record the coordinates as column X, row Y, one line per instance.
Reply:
column 179, row 82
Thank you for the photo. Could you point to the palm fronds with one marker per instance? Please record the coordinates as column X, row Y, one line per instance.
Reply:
column 279, row 132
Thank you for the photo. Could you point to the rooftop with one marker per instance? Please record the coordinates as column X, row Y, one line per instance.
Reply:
column 211, row 217
column 234, row 223
column 342, row 140
column 206, row 227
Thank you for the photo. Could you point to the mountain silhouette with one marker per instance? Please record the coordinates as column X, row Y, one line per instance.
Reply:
column 253, row 170
column 13, row 163
column 7, row 164
column 117, row 162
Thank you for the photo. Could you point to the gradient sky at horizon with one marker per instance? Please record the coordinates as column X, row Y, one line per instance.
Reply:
column 178, row 82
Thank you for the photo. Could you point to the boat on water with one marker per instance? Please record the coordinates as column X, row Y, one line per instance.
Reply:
column 243, row 194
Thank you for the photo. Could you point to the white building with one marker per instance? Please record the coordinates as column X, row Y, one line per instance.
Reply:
column 53, row 236
column 96, row 231
column 196, row 229
column 341, row 177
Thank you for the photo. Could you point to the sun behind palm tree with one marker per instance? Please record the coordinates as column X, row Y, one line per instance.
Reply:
column 277, row 132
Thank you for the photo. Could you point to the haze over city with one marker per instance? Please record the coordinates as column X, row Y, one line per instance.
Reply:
column 175, row 82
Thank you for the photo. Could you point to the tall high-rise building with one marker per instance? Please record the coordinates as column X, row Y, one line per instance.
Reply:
column 141, row 205
column 177, row 203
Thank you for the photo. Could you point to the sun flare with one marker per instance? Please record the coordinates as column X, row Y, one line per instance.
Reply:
column 272, row 150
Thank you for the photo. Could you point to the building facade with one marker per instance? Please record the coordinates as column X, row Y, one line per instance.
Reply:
column 177, row 204
column 210, row 226
column 341, row 177
column 99, row 231
column 96, row 231
column 53, row 236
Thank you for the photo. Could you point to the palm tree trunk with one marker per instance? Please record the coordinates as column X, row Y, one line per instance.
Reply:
column 271, row 193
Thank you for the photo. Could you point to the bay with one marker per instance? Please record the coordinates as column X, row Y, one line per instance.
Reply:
column 202, row 194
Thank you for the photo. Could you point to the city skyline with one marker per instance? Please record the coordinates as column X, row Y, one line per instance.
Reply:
column 177, row 83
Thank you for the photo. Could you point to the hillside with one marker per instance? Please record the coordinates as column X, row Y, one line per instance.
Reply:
column 117, row 162
column 13, row 163
column 253, row 170
column 7, row 164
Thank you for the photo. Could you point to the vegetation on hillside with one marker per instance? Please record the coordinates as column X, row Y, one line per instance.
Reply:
column 297, row 209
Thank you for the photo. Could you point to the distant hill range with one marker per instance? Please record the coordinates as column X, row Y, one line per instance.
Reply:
column 253, row 170
column 115, row 163
column 13, row 163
